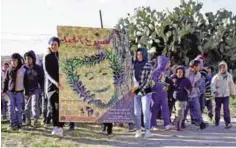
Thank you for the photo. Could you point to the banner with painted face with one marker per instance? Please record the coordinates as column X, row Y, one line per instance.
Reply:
column 96, row 75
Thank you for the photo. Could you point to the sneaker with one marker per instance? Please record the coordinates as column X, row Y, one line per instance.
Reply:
column 36, row 124
column 203, row 125
column 19, row 129
column 12, row 128
column 59, row 132
column 131, row 127
column 54, row 130
column 148, row 134
column 217, row 123
column 138, row 134
column 168, row 127
column 155, row 129
column 71, row 129
column 227, row 126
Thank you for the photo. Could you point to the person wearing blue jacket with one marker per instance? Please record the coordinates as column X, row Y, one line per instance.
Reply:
column 181, row 88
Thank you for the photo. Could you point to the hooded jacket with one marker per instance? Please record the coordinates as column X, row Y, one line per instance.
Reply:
column 159, row 76
column 15, row 79
column 143, row 74
column 223, row 83
column 181, row 87
column 35, row 74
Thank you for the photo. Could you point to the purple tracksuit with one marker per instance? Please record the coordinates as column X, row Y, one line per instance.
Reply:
column 159, row 95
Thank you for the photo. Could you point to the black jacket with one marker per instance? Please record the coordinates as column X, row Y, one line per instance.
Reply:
column 35, row 78
column 51, row 69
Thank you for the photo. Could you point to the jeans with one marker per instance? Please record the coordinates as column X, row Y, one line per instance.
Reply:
column 194, row 107
column 15, row 108
column 142, row 104
column 3, row 106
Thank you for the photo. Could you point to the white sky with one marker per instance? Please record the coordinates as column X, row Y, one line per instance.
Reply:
column 28, row 24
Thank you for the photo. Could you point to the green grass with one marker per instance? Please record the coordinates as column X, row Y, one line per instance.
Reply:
column 83, row 136
column 233, row 103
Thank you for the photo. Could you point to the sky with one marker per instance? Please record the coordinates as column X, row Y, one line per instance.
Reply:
column 28, row 24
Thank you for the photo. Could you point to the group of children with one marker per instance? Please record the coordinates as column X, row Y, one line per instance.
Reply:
column 192, row 87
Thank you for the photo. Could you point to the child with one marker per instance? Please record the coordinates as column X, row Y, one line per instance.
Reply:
column 14, row 85
column 194, row 76
column 222, row 86
column 3, row 99
column 181, row 88
column 35, row 85
column 51, row 70
column 160, row 93
column 208, row 93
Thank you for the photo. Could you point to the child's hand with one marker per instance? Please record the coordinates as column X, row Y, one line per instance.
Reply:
column 4, row 94
column 26, row 97
column 234, row 96
column 216, row 93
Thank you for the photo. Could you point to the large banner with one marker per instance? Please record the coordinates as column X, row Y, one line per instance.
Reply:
column 96, row 75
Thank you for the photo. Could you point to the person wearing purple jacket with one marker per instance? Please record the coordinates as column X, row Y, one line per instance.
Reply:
column 181, row 88
column 194, row 76
column 159, row 97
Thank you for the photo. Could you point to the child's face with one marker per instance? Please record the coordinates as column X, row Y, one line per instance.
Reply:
column 29, row 61
column 180, row 73
column 140, row 56
column 196, row 67
column 54, row 46
column 5, row 67
column 14, row 62
column 209, row 71
column 222, row 68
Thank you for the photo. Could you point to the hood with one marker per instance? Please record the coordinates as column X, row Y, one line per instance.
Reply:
column 201, row 59
column 32, row 55
column 223, row 63
column 145, row 54
column 162, row 62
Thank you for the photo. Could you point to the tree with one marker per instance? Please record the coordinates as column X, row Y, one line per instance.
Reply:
column 184, row 33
